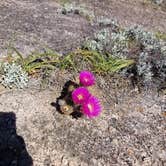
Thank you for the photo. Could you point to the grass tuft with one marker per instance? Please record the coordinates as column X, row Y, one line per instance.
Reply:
column 104, row 64
column 97, row 62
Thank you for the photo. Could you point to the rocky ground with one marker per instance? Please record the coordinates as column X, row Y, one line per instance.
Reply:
column 131, row 129
column 34, row 25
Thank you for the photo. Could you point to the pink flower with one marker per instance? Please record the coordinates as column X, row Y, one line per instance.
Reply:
column 80, row 95
column 87, row 78
column 91, row 108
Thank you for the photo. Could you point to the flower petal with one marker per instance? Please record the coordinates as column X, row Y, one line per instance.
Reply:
column 87, row 78
column 80, row 95
column 91, row 107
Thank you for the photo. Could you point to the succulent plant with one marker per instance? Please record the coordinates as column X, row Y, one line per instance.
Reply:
column 91, row 45
column 104, row 21
column 151, row 60
column 101, row 39
column 151, row 53
column 102, row 36
column 13, row 76
column 158, row 2
column 75, row 9
column 144, row 67
column 140, row 35
column 119, row 44
column 68, row 8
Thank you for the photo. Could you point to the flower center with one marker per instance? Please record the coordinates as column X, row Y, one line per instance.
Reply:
column 80, row 97
column 86, row 79
column 65, row 108
column 90, row 107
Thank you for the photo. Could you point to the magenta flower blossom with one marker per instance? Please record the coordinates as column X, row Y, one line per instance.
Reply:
column 80, row 95
column 91, row 108
column 87, row 78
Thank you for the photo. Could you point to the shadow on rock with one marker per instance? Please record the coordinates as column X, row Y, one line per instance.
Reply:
column 12, row 147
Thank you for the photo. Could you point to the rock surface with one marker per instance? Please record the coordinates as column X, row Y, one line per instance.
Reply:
column 32, row 25
column 130, row 132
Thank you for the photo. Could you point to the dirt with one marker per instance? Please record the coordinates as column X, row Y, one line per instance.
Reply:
column 131, row 128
